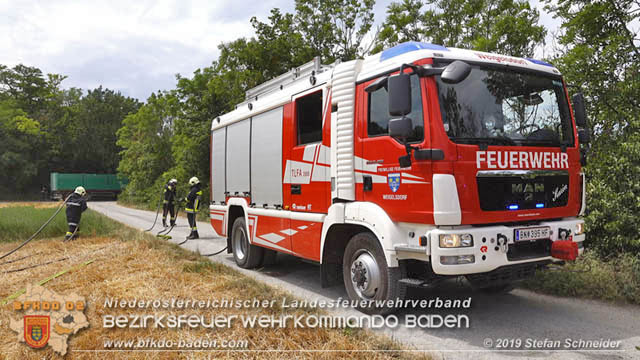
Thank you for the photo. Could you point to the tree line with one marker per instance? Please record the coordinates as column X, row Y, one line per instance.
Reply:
column 596, row 47
column 45, row 128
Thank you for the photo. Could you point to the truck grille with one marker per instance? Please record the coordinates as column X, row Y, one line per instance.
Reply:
column 521, row 190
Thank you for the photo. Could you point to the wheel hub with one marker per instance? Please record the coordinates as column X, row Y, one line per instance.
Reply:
column 240, row 244
column 365, row 275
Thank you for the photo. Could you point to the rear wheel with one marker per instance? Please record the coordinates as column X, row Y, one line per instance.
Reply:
column 247, row 256
column 367, row 276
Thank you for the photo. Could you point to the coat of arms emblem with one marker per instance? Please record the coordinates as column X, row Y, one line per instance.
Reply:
column 394, row 181
column 36, row 330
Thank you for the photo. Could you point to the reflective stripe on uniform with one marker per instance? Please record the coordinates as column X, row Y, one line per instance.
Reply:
column 73, row 224
column 74, row 204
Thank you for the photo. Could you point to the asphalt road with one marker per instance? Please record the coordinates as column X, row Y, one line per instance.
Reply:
column 527, row 322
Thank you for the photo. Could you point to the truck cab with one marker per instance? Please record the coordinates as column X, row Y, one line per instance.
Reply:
column 480, row 148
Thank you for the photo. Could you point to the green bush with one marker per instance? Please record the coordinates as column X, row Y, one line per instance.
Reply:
column 616, row 279
column 613, row 196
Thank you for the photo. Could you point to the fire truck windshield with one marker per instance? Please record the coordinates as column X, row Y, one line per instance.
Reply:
column 497, row 106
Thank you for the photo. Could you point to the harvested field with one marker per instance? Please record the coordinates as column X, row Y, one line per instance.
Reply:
column 130, row 264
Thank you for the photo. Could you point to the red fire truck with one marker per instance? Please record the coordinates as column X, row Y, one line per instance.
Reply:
column 410, row 166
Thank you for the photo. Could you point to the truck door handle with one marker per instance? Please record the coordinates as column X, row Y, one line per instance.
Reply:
column 296, row 190
column 367, row 183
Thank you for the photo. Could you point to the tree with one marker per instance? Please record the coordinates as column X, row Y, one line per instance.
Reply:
column 335, row 29
column 99, row 116
column 503, row 26
column 145, row 137
column 599, row 53
column 17, row 152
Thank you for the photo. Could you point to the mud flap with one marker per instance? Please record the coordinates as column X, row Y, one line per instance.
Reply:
column 330, row 274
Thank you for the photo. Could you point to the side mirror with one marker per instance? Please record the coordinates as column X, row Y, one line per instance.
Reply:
column 404, row 161
column 579, row 111
column 583, row 136
column 399, row 87
column 455, row 72
column 400, row 128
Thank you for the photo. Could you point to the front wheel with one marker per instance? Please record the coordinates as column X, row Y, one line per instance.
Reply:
column 367, row 276
column 247, row 256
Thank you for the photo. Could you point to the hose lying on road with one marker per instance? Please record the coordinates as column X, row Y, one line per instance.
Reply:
column 156, row 219
column 162, row 232
column 215, row 253
column 37, row 232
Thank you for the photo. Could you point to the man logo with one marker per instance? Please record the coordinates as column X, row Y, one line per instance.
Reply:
column 36, row 330
column 394, row 181
column 527, row 189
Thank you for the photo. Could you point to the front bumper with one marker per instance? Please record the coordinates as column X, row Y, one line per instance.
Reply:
column 494, row 247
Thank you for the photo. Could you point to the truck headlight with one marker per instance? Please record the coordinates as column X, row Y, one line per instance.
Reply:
column 456, row 240
column 579, row 230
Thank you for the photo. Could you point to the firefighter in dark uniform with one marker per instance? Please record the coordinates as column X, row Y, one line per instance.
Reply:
column 76, row 205
column 193, row 202
column 168, row 205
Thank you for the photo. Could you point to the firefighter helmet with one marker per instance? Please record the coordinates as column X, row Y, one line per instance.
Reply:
column 194, row 180
column 173, row 181
column 80, row 191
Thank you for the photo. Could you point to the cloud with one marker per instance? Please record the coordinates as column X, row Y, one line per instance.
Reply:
column 135, row 47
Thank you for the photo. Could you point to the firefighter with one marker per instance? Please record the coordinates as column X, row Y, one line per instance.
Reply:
column 193, row 201
column 76, row 205
column 168, row 205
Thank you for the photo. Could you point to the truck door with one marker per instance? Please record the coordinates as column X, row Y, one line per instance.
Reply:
column 404, row 193
column 306, row 184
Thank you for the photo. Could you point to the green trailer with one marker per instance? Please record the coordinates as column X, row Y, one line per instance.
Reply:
column 106, row 186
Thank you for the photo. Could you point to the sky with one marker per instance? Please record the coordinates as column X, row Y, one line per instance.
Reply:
column 135, row 47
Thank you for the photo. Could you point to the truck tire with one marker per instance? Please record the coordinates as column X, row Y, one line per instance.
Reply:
column 247, row 256
column 367, row 276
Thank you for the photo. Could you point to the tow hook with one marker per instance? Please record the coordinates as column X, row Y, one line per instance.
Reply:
column 502, row 243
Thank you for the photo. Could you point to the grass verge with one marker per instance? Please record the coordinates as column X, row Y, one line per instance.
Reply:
column 616, row 279
column 20, row 220
column 130, row 264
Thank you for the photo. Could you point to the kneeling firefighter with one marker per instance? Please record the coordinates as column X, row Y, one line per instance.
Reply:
column 76, row 205
column 168, row 205
column 193, row 201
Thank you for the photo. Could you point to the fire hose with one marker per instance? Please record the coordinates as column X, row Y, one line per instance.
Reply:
column 39, row 230
column 165, row 232
column 156, row 219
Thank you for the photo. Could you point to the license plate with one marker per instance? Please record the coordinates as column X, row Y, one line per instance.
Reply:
column 531, row 234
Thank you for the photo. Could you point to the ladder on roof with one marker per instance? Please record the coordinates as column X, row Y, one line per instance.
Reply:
column 313, row 67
